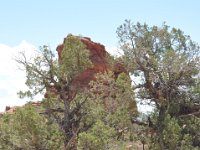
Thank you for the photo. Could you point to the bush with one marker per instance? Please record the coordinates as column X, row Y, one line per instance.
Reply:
column 98, row 137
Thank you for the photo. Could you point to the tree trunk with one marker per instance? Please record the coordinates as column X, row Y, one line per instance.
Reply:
column 70, row 141
column 161, row 118
column 71, row 145
column 70, row 129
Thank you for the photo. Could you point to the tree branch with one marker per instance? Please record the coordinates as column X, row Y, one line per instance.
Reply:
column 138, row 86
column 52, row 110
column 135, row 121
column 197, row 114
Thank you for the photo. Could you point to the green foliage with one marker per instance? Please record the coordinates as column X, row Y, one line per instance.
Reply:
column 51, row 77
column 113, row 100
column 98, row 137
column 110, row 104
column 172, row 132
column 167, row 62
column 26, row 129
column 186, row 143
column 74, row 56
column 192, row 126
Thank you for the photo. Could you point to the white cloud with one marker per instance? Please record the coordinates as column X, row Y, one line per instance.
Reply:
column 114, row 51
column 11, row 78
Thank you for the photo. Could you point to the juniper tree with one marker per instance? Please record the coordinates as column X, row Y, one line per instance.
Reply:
column 51, row 77
column 167, row 62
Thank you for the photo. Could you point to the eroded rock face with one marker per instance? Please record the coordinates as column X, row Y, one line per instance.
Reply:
column 98, row 56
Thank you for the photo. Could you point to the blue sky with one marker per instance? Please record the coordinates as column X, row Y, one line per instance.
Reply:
column 48, row 21
column 26, row 24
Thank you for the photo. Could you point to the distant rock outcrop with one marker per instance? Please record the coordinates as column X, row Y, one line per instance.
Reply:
column 10, row 109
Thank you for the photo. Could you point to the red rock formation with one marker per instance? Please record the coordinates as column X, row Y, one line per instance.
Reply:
column 119, row 68
column 98, row 56
column 10, row 109
column 59, row 50
column 7, row 108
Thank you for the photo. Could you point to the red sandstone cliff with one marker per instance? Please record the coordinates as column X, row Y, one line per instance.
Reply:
column 99, row 58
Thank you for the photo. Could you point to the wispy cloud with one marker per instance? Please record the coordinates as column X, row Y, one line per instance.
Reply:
column 11, row 78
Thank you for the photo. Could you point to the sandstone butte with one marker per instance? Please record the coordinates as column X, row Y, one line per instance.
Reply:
column 98, row 56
